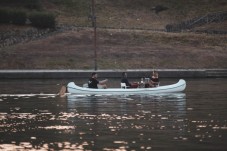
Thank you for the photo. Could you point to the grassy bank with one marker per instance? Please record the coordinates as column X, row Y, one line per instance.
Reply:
column 118, row 49
column 121, row 45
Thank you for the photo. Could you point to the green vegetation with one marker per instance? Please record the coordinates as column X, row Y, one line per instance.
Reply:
column 29, row 4
column 17, row 17
column 18, row 11
column 42, row 20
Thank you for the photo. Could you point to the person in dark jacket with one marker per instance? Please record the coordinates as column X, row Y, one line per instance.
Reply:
column 124, row 79
column 93, row 82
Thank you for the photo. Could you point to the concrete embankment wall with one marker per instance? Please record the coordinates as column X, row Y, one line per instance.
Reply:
column 64, row 74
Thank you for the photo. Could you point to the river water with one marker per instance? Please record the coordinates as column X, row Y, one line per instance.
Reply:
column 32, row 117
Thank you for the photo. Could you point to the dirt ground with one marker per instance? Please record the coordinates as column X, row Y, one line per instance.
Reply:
column 117, row 49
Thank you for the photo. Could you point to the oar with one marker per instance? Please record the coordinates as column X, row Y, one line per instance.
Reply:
column 62, row 91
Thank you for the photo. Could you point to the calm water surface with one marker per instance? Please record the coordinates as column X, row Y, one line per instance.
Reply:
column 32, row 117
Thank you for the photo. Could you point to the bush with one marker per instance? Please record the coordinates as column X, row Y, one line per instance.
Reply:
column 31, row 4
column 42, row 20
column 17, row 17
column 4, row 16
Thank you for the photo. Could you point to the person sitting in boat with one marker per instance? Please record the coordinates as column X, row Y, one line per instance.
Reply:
column 94, row 83
column 154, row 81
column 124, row 79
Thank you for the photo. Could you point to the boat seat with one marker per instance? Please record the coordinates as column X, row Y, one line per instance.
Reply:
column 85, row 85
column 123, row 86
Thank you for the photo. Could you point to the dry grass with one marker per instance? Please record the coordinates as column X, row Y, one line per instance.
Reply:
column 133, row 13
column 118, row 49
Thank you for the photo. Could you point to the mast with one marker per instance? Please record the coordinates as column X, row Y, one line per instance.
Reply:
column 94, row 26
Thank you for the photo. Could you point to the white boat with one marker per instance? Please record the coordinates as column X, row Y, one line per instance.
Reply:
column 177, row 87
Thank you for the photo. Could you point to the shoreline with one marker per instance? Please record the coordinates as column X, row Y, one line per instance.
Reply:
column 132, row 73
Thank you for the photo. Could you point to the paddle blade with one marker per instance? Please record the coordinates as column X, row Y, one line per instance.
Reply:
column 62, row 91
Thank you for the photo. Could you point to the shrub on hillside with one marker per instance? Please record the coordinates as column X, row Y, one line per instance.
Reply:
column 4, row 16
column 31, row 4
column 42, row 20
column 17, row 17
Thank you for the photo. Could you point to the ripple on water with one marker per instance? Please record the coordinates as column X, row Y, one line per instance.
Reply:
column 135, row 122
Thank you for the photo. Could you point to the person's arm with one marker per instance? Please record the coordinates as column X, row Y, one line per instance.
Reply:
column 103, row 81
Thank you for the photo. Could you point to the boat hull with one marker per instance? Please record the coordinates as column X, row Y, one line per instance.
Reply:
column 177, row 87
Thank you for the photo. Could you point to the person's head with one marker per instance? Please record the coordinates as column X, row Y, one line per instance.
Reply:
column 94, row 75
column 155, row 73
column 124, row 74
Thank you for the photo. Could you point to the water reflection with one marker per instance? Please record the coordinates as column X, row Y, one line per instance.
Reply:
column 131, row 118
column 194, row 120
column 86, row 122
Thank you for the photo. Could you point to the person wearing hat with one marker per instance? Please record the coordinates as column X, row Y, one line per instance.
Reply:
column 93, row 82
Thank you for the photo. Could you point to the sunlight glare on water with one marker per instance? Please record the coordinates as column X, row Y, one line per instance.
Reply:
column 192, row 120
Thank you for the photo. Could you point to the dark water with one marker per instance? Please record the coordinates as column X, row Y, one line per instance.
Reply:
column 32, row 117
